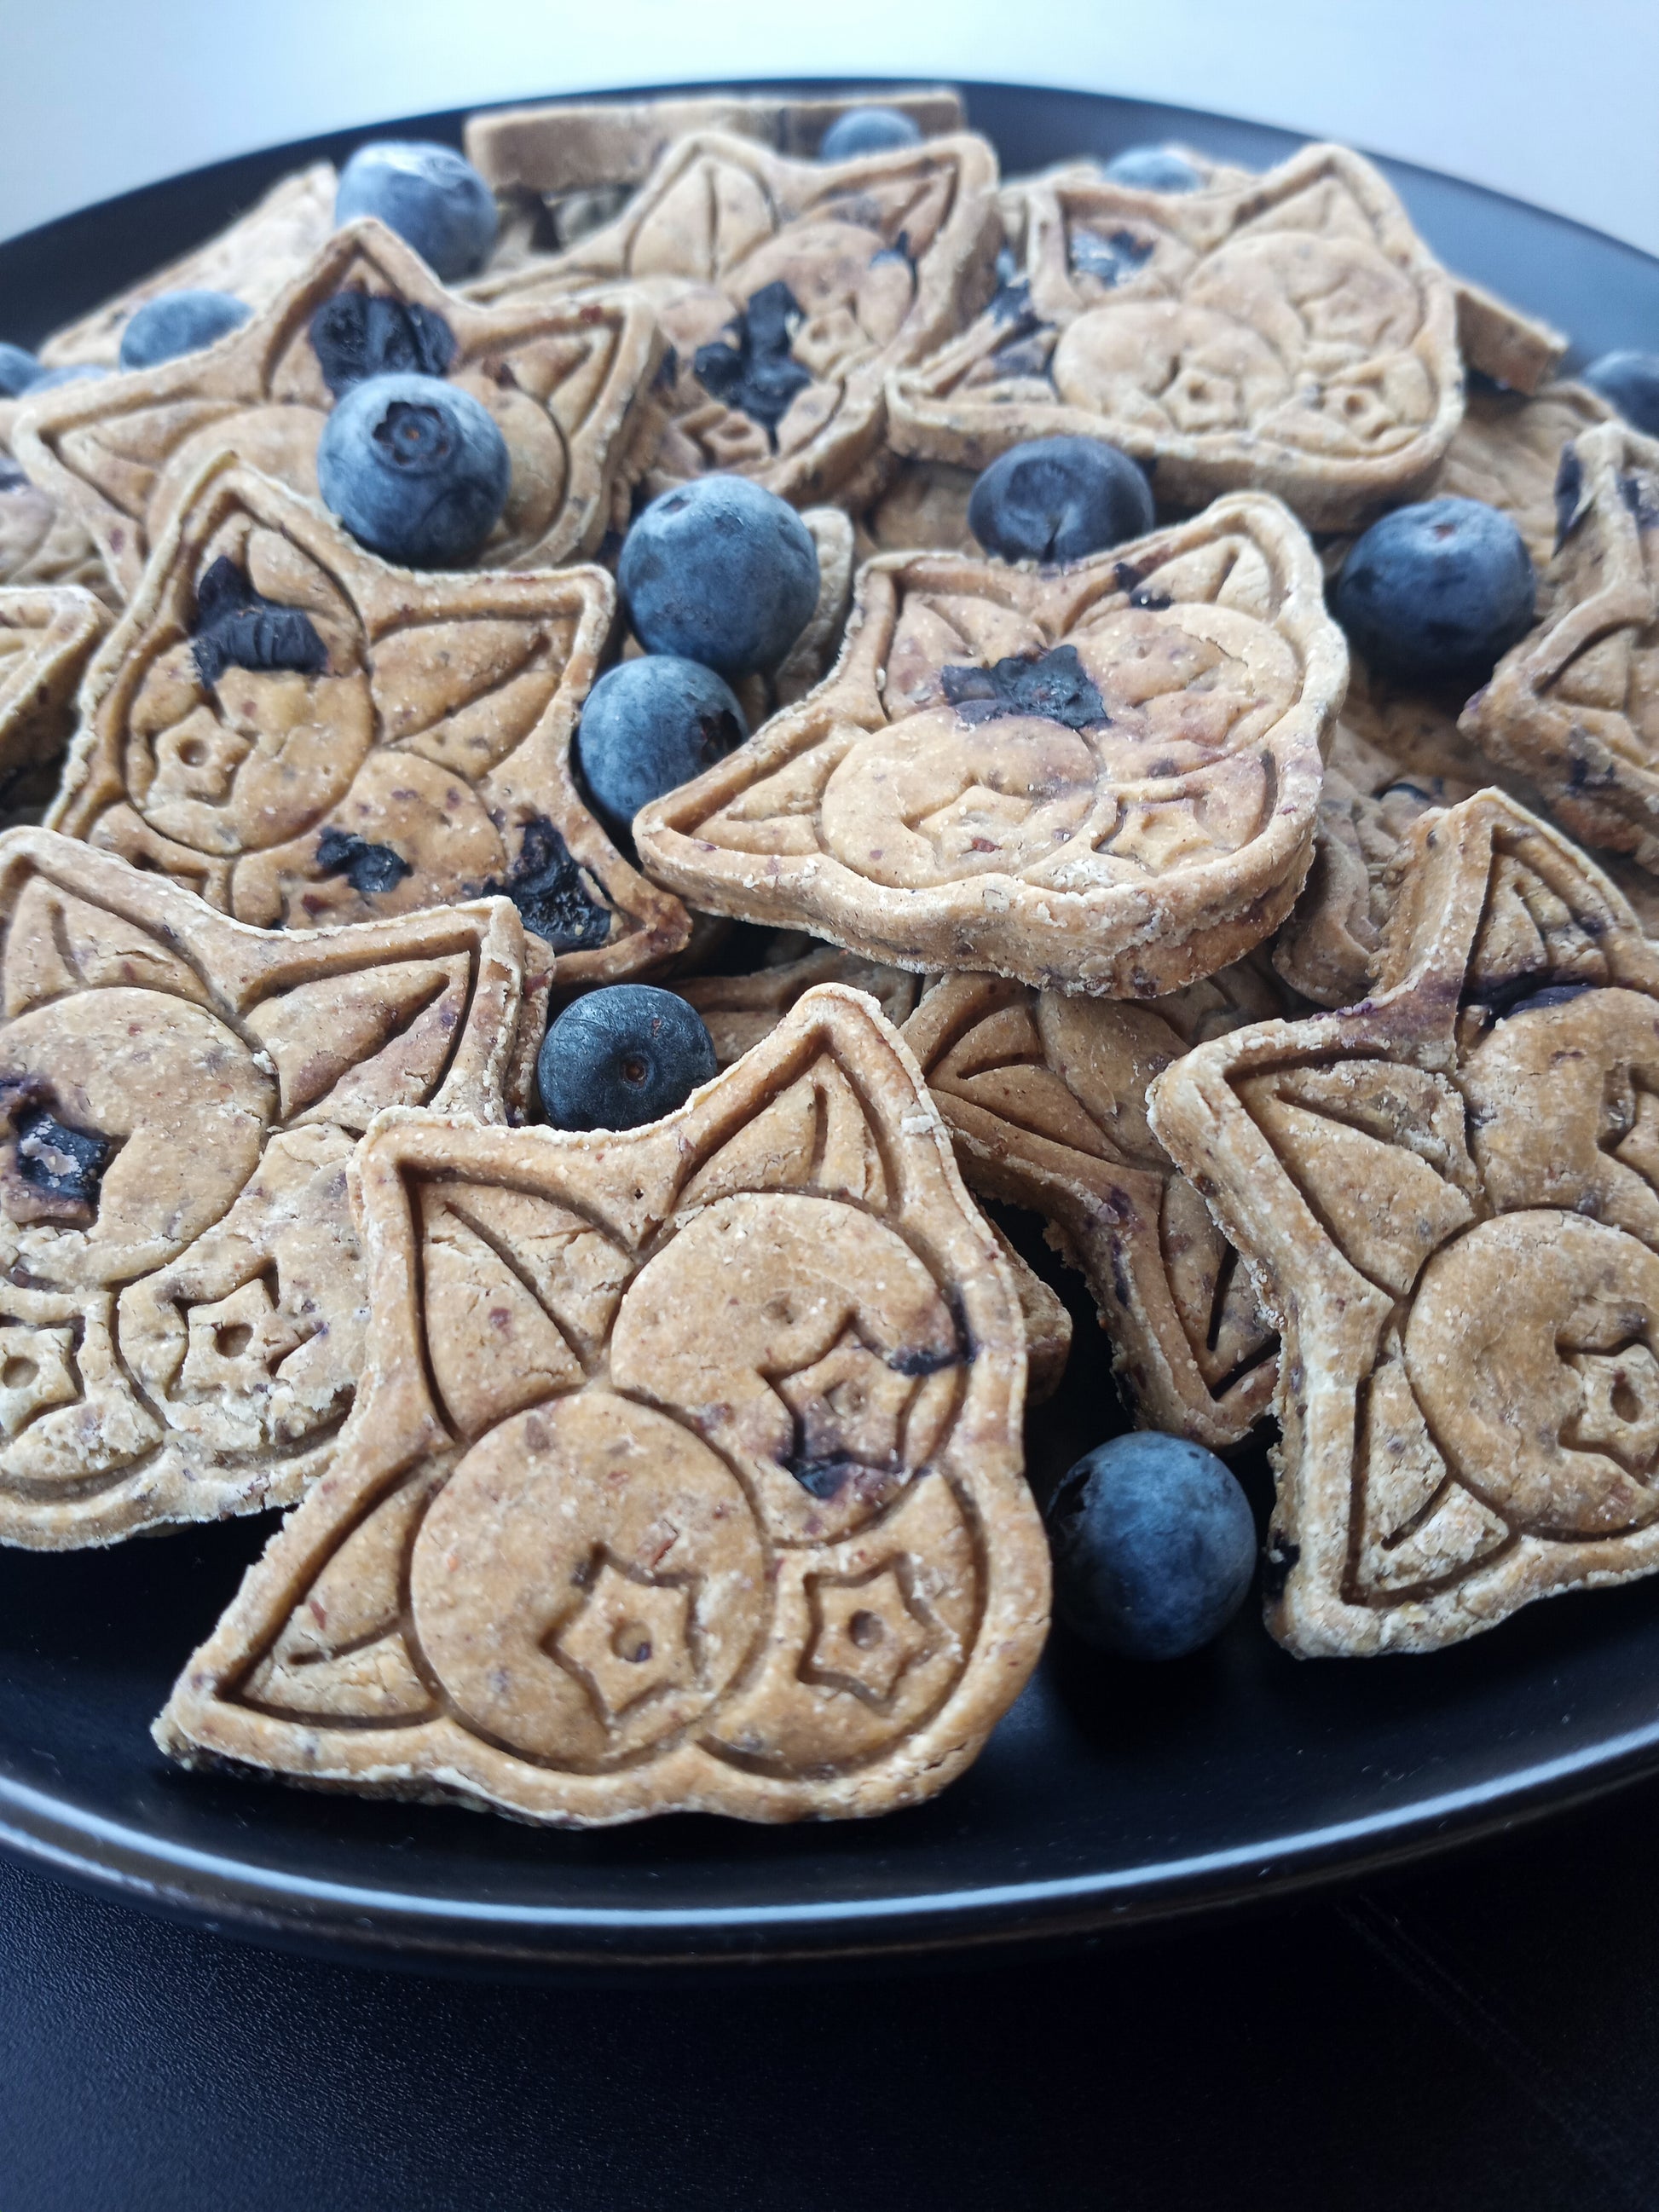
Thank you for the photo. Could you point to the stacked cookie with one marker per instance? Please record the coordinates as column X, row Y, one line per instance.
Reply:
column 675, row 1462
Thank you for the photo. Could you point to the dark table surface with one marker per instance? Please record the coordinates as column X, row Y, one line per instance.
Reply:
column 1479, row 2035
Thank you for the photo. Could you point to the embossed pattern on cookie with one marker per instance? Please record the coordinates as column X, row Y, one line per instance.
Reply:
column 1508, row 451
column 739, row 1010
column 303, row 734
column 1450, row 1195
column 46, row 638
column 181, row 1289
column 787, row 289
column 567, row 384
column 686, row 1473
column 1575, row 706
column 1045, row 1096
column 1102, row 778
column 1291, row 334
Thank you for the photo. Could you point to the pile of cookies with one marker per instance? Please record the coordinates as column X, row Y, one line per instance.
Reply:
column 1306, row 998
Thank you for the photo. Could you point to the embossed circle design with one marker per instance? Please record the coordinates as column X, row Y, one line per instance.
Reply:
column 1531, row 1347
column 589, row 1582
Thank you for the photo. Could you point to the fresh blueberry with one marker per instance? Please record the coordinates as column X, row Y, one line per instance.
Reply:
column 415, row 468
column 1438, row 592
column 868, row 130
column 434, row 199
column 648, row 725
column 179, row 322
column 622, row 1056
column 1056, row 499
column 1153, row 169
column 1630, row 383
column 18, row 370
column 78, row 372
column 1154, row 1546
column 721, row 571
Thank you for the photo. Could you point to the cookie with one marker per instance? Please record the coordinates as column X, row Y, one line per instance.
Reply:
column 685, row 1474
column 786, row 290
column 304, row 735
column 1575, row 706
column 1099, row 778
column 1449, row 1197
column 1290, row 334
column 1514, row 348
column 41, row 543
column 181, row 1289
column 46, row 638
column 739, row 1010
column 567, row 384
column 922, row 506
column 260, row 254
column 1045, row 1096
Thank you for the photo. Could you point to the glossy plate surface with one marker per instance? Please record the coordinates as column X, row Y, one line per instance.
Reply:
column 1111, row 1796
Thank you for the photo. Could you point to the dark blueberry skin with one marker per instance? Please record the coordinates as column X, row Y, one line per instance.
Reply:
column 179, row 322
column 867, row 131
column 1058, row 499
column 1437, row 592
column 415, row 469
column 436, row 201
column 1153, row 169
column 621, row 1057
column 81, row 372
column 1629, row 382
column 719, row 571
column 18, row 370
column 650, row 725
column 1154, row 1546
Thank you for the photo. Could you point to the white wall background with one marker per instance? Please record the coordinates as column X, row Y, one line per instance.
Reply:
column 1554, row 100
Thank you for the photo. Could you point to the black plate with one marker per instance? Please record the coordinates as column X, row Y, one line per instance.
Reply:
column 1110, row 1797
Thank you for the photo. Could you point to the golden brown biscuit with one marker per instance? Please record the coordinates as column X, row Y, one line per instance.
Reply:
column 407, row 738
column 685, row 1475
column 567, row 385
column 181, row 1292
column 1098, row 778
column 1449, row 1198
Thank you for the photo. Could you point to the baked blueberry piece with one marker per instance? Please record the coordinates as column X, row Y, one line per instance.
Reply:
column 415, row 469
column 428, row 194
column 1438, row 592
column 1153, row 169
column 621, row 1057
column 179, row 322
column 867, row 131
column 18, row 370
column 1154, row 1546
column 1630, row 382
column 649, row 726
column 721, row 571
column 1058, row 499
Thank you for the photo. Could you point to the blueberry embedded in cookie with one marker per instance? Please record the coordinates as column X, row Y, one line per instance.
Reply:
column 1448, row 1193
column 711, row 1498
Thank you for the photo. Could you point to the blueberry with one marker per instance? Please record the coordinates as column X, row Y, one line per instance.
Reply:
column 722, row 572
column 1154, row 1546
column 434, row 199
column 79, row 372
column 648, row 725
column 1153, row 169
column 415, row 468
column 1438, row 592
column 1056, row 499
column 1630, row 383
column 179, row 322
column 868, row 130
column 622, row 1056
column 18, row 370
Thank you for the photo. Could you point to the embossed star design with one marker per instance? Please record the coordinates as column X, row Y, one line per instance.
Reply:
column 566, row 381
column 1288, row 332
column 304, row 735
column 1450, row 1196
column 867, row 1630
column 629, row 1638
column 1102, row 779
column 182, row 1307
